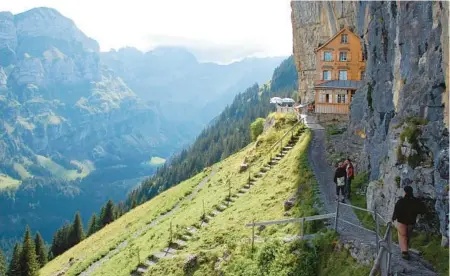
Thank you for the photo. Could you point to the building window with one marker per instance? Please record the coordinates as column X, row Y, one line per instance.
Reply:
column 327, row 56
column 322, row 98
column 362, row 75
column 326, row 75
column 344, row 39
column 341, row 98
column 343, row 75
column 343, row 56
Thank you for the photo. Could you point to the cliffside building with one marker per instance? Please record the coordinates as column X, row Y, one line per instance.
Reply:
column 340, row 67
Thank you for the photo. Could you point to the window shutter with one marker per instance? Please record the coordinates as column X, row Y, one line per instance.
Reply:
column 349, row 75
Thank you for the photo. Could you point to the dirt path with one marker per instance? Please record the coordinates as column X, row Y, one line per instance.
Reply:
column 144, row 229
column 348, row 233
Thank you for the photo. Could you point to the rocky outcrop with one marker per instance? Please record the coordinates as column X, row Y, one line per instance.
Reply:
column 402, row 108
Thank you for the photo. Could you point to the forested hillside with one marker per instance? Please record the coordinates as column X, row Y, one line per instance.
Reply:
column 228, row 133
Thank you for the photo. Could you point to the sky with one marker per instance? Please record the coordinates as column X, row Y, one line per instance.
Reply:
column 214, row 30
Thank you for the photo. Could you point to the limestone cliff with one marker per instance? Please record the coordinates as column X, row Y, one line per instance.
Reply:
column 403, row 107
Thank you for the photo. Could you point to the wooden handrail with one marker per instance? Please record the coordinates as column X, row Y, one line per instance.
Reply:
column 284, row 135
column 282, row 221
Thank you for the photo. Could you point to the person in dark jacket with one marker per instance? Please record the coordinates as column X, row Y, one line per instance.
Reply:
column 405, row 212
column 350, row 174
column 340, row 176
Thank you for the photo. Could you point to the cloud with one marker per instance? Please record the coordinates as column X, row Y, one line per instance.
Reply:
column 206, row 51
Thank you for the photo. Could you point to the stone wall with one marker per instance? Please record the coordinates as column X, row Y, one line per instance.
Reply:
column 406, row 83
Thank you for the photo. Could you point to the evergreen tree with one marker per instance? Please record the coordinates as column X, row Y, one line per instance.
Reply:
column 92, row 227
column 29, row 265
column 2, row 264
column 76, row 232
column 108, row 214
column 134, row 203
column 100, row 221
column 14, row 265
column 60, row 240
column 41, row 251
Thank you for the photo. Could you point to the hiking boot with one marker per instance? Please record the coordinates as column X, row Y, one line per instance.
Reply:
column 405, row 255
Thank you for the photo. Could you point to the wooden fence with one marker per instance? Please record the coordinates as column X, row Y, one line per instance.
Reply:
column 382, row 262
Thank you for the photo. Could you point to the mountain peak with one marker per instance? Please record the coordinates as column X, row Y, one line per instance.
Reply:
column 50, row 23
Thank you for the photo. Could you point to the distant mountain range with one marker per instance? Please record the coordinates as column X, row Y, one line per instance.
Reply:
column 78, row 126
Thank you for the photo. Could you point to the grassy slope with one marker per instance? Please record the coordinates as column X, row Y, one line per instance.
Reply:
column 104, row 240
column 8, row 182
column 226, row 232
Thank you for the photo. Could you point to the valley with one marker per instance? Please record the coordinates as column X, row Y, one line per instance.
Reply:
column 78, row 129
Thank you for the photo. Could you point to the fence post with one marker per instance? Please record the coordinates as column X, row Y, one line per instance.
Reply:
column 377, row 230
column 337, row 216
column 204, row 214
column 253, row 236
column 139, row 256
column 302, row 221
column 389, row 246
column 170, row 233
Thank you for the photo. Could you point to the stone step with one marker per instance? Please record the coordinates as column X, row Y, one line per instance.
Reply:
column 179, row 244
column 223, row 207
column 277, row 158
column 149, row 262
column 186, row 237
column 209, row 217
column 241, row 192
column 191, row 229
column 284, row 152
column 141, row 270
column 203, row 224
column 215, row 212
column 287, row 148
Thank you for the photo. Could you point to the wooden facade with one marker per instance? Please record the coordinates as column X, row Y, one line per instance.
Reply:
column 340, row 67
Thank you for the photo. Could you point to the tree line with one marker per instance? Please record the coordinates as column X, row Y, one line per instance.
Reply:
column 228, row 134
column 27, row 257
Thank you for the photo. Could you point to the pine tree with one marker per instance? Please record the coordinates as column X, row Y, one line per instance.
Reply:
column 60, row 240
column 14, row 265
column 134, row 203
column 2, row 263
column 76, row 232
column 41, row 251
column 93, row 224
column 108, row 214
column 29, row 265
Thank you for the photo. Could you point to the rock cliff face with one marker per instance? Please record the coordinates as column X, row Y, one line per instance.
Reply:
column 403, row 107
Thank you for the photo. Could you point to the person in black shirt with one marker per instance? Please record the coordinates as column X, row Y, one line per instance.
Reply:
column 340, row 176
column 405, row 212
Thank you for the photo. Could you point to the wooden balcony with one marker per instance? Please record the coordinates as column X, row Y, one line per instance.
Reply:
column 332, row 108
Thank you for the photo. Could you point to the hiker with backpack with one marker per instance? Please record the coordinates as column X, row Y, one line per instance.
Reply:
column 350, row 175
column 405, row 212
column 340, row 176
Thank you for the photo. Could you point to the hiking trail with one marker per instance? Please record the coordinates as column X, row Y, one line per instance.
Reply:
column 348, row 233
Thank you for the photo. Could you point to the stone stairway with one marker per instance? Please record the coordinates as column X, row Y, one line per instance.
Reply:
column 192, row 230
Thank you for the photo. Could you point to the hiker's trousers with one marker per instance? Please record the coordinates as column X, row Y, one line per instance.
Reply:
column 348, row 187
column 404, row 234
column 341, row 189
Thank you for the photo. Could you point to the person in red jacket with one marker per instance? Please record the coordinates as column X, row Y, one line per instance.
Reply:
column 405, row 212
column 350, row 174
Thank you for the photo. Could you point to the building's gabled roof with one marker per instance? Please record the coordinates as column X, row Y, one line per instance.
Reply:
column 343, row 84
column 333, row 37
